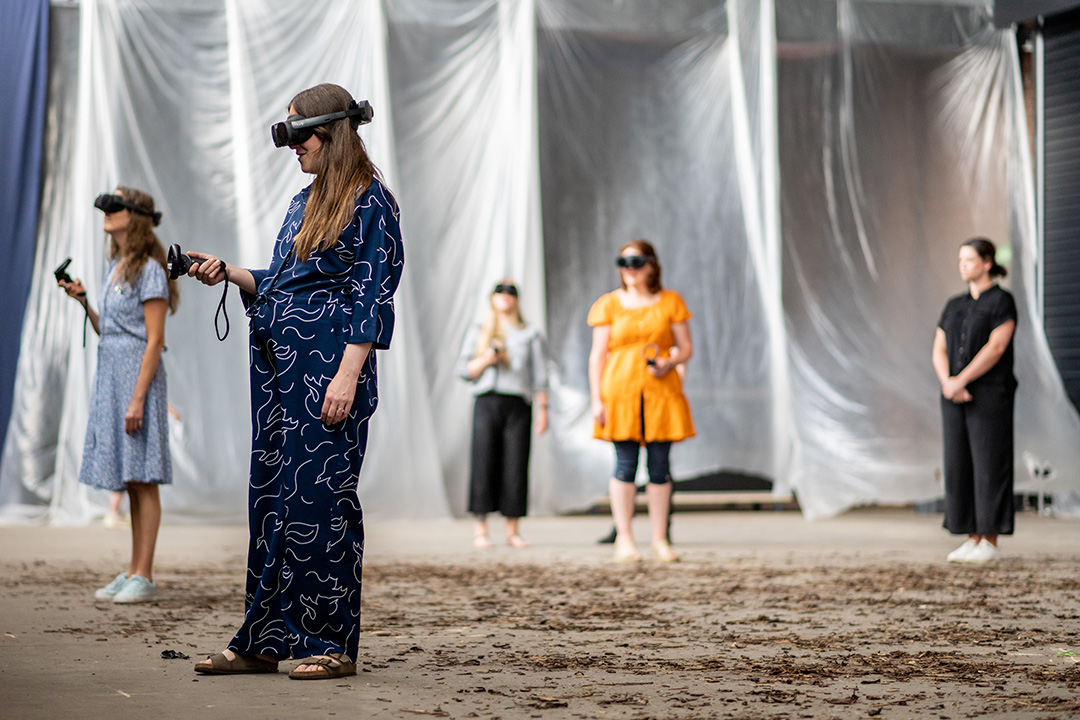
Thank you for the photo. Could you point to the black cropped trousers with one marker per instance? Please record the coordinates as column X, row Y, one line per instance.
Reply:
column 502, row 431
column 979, row 461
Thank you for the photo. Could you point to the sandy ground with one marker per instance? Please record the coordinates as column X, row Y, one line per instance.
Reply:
column 768, row 616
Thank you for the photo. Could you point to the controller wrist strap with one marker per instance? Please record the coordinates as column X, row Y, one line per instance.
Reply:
column 222, row 311
column 86, row 315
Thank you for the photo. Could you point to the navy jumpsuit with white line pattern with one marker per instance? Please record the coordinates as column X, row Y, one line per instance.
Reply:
column 307, row 531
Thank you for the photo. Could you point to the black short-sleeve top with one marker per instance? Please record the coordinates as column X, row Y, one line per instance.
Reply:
column 968, row 322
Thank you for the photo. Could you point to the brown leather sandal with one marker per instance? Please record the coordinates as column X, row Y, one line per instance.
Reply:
column 242, row 664
column 331, row 665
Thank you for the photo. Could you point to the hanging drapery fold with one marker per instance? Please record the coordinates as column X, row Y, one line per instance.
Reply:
column 806, row 169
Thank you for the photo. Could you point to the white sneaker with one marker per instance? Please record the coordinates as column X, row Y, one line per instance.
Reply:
column 116, row 521
column 137, row 589
column 961, row 553
column 109, row 591
column 984, row 552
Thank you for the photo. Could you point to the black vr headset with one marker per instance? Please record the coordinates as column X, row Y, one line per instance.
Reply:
column 108, row 204
column 297, row 129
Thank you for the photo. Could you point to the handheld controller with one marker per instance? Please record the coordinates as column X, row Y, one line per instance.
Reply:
column 61, row 273
column 179, row 263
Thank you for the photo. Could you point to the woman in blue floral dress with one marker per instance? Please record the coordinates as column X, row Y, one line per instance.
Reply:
column 127, row 446
column 317, row 315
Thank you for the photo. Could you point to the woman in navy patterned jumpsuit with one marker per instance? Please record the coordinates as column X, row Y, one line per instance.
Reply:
column 317, row 313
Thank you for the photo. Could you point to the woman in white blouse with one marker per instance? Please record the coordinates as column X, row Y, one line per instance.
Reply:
column 505, row 359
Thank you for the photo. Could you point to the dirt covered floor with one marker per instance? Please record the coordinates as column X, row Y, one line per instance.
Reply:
column 768, row 616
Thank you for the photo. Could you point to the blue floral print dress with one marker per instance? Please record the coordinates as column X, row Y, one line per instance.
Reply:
column 112, row 458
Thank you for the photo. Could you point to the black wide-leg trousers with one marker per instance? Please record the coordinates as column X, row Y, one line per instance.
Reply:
column 502, row 427
column 979, row 462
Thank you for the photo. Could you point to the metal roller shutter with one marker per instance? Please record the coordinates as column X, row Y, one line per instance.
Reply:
column 1061, row 219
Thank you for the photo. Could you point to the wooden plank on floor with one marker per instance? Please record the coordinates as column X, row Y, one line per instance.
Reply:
column 706, row 500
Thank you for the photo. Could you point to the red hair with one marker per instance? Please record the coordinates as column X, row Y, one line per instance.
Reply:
column 644, row 248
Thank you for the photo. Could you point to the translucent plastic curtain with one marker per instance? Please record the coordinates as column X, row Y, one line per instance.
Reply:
column 901, row 135
column 275, row 52
column 176, row 98
column 128, row 128
column 877, row 135
column 464, row 94
column 657, row 121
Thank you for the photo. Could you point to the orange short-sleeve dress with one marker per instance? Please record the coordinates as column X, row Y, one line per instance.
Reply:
column 629, row 392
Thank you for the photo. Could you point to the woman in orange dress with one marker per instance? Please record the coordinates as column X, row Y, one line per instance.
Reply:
column 641, row 337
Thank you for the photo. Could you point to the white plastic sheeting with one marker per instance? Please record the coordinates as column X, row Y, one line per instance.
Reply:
column 464, row 99
column 658, row 121
column 904, row 136
column 807, row 172
column 177, row 98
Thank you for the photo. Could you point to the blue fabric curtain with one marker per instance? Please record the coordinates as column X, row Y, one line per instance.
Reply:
column 24, row 51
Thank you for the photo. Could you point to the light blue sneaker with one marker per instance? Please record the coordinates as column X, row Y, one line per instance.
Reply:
column 137, row 589
column 109, row 591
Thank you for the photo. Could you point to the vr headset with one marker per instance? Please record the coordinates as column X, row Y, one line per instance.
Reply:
column 108, row 204
column 297, row 129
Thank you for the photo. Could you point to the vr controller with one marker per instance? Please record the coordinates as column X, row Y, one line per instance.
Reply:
column 61, row 273
column 179, row 263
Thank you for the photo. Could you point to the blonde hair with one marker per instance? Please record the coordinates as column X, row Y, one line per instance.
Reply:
column 343, row 170
column 142, row 244
column 492, row 331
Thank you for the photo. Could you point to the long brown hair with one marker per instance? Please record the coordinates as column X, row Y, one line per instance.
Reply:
column 343, row 169
column 142, row 244
column 644, row 248
column 492, row 331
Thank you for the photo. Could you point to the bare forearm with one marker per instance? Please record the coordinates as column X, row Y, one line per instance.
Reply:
column 211, row 270
column 980, row 364
column 476, row 367
column 94, row 318
column 941, row 367
column 91, row 314
column 150, row 360
column 352, row 361
column 596, row 371
column 988, row 355
column 683, row 349
column 154, row 315
column 75, row 289
column 242, row 278
column 679, row 355
column 541, row 402
column 939, row 357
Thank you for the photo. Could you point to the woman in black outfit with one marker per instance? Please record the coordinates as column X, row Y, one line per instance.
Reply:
column 973, row 359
